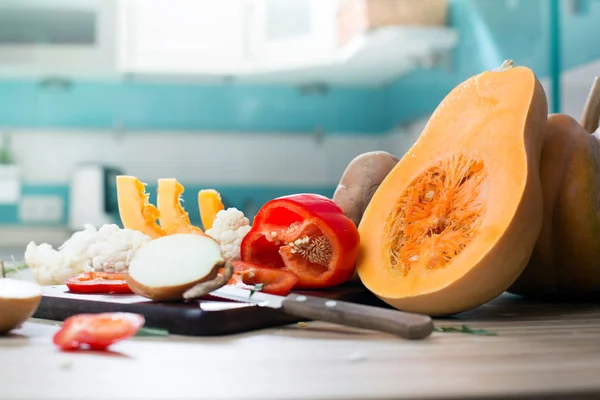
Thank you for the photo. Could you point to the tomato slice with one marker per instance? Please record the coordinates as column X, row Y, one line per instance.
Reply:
column 98, row 282
column 273, row 280
column 306, row 234
column 97, row 331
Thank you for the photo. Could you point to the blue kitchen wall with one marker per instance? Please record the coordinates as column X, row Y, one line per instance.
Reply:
column 214, row 107
column 9, row 214
column 490, row 32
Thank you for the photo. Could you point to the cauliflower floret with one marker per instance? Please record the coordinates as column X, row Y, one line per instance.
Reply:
column 48, row 266
column 107, row 249
column 113, row 251
column 53, row 266
column 229, row 228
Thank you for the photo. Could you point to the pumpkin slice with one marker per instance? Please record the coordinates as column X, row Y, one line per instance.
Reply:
column 209, row 202
column 455, row 221
column 134, row 209
column 173, row 217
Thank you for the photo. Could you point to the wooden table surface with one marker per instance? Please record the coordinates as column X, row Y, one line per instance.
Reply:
column 542, row 350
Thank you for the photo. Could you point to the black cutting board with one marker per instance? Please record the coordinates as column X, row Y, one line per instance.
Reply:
column 204, row 317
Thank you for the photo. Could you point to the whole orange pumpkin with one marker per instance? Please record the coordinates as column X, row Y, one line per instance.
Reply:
column 566, row 257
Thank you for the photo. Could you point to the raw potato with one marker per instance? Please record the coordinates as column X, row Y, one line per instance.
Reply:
column 167, row 267
column 18, row 301
column 360, row 180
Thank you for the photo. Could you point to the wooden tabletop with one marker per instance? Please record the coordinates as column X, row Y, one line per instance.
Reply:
column 541, row 350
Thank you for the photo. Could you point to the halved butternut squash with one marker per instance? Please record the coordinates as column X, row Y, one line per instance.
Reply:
column 173, row 217
column 209, row 202
column 455, row 221
column 134, row 209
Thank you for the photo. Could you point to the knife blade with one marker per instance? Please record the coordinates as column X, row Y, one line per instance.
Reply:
column 399, row 323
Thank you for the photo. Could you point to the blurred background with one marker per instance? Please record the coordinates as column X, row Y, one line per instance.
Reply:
column 254, row 98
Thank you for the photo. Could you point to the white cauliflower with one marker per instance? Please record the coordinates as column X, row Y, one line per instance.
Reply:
column 107, row 249
column 52, row 267
column 114, row 248
column 229, row 228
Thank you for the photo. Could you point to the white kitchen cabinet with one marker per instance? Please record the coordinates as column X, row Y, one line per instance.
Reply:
column 183, row 36
column 293, row 33
column 266, row 42
column 57, row 37
column 252, row 41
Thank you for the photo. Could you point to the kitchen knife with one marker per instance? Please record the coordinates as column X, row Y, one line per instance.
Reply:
column 403, row 324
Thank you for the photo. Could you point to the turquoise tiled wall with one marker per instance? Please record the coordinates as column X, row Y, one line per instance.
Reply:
column 9, row 214
column 138, row 106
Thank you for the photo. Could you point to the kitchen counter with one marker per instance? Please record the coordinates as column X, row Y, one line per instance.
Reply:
column 544, row 351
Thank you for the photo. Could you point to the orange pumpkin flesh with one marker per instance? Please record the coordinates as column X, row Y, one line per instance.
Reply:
column 566, row 258
column 209, row 202
column 173, row 217
column 134, row 209
column 453, row 224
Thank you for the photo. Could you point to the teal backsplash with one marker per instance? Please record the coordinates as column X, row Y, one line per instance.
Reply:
column 137, row 106
column 9, row 214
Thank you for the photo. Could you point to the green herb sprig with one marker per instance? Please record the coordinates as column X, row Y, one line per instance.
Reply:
column 464, row 329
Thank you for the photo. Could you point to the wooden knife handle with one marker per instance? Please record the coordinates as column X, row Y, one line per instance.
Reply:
column 406, row 325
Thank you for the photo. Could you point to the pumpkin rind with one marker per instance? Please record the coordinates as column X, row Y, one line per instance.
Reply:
column 454, row 223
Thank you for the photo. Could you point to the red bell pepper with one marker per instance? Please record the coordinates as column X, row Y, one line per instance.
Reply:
column 97, row 331
column 306, row 234
column 98, row 282
column 273, row 280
